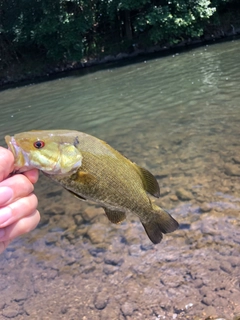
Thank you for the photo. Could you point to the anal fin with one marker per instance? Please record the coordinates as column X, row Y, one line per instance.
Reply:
column 115, row 216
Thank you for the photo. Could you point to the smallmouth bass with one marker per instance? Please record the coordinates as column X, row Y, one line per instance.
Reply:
column 92, row 170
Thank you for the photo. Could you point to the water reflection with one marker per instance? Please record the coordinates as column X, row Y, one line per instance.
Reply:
column 177, row 116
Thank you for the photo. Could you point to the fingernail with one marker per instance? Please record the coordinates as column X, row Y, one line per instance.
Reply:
column 5, row 214
column 6, row 194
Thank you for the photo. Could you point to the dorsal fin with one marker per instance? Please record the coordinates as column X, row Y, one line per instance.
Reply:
column 150, row 183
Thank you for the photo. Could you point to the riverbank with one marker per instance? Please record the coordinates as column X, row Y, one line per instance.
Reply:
column 37, row 69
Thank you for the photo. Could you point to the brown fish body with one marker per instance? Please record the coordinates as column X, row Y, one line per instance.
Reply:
column 111, row 180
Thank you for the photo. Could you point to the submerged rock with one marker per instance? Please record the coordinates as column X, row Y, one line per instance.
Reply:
column 183, row 194
column 232, row 170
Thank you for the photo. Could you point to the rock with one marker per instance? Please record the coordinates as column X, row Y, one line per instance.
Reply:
column 226, row 266
column 51, row 238
column 205, row 207
column 101, row 301
column 113, row 260
column 91, row 212
column 110, row 269
column 164, row 191
column 11, row 311
column 232, row 170
column 78, row 219
column 183, row 194
column 162, row 174
column 21, row 295
column 207, row 300
column 236, row 159
column 210, row 312
column 127, row 309
column 97, row 234
column 55, row 208
column 173, row 197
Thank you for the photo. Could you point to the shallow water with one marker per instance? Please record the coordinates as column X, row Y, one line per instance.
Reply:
column 178, row 116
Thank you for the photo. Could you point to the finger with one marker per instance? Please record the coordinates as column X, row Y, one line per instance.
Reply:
column 18, row 210
column 20, row 186
column 3, row 245
column 32, row 175
column 20, row 227
column 6, row 163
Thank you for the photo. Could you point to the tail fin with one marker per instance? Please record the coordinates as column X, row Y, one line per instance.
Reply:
column 159, row 222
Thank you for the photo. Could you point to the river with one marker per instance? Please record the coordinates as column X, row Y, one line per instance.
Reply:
column 179, row 117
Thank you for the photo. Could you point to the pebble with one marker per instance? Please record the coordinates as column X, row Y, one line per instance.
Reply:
column 226, row 266
column 91, row 212
column 127, row 309
column 101, row 300
column 113, row 260
column 183, row 194
column 11, row 311
column 232, row 170
column 97, row 233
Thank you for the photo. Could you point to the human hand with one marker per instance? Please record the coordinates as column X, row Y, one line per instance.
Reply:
column 18, row 205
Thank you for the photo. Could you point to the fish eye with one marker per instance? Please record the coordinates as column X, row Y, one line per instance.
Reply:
column 39, row 144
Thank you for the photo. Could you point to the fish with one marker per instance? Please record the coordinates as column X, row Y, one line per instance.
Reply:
column 91, row 169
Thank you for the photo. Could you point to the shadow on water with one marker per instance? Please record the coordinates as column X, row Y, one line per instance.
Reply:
column 179, row 117
column 97, row 65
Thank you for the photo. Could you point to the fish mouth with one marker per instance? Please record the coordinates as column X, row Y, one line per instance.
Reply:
column 12, row 145
column 20, row 161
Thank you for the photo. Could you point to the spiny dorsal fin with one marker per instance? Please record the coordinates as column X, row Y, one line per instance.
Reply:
column 115, row 216
column 75, row 194
column 150, row 183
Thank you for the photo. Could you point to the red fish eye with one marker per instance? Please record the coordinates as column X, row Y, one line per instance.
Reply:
column 39, row 144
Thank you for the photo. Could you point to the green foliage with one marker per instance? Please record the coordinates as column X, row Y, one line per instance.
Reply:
column 68, row 30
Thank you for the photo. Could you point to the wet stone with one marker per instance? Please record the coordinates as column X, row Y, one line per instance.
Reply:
column 51, row 238
column 127, row 309
column 78, row 219
column 226, row 266
column 183, row 194
column 210, row 312
column 101, row 301
column 236, row 159
column 208, row 300
column 55, row 209
column 205, row 207
column 91, row 212
column 232, row 169
column 21, row 295
column 146, row 247
column 113, row 260
column 110, row 269
column 64, row 310
column 173, row 197
column 96, row 234
column 11, row 311
column 164, row 191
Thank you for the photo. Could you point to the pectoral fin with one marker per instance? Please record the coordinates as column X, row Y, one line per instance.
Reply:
column 115, row 216
column 86, row 177
column 150, row 183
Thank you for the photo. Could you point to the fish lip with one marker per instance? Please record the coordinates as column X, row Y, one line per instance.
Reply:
column 12, row 145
